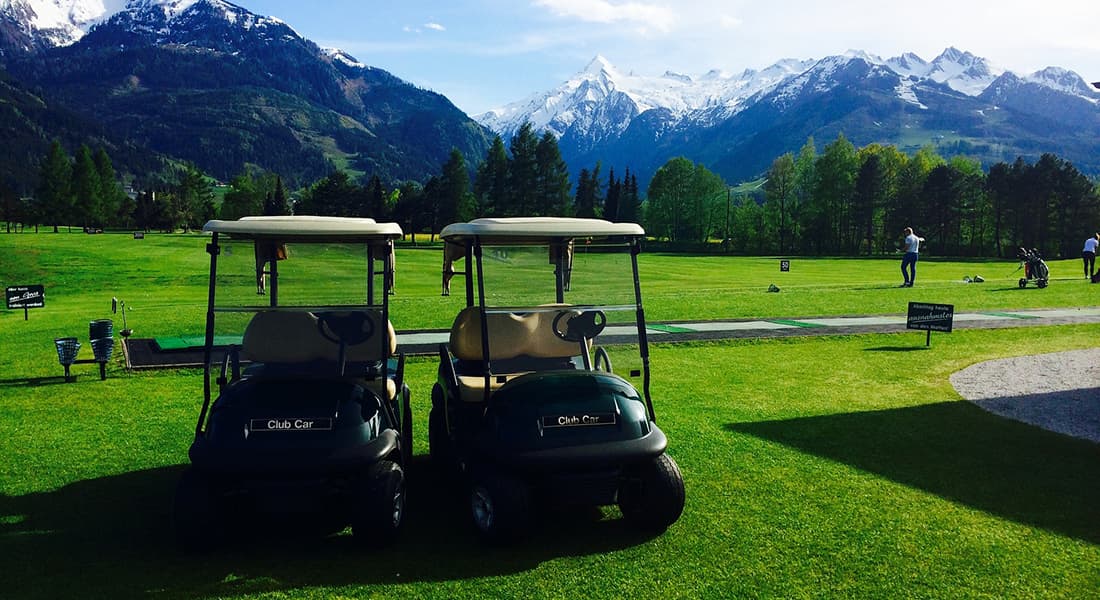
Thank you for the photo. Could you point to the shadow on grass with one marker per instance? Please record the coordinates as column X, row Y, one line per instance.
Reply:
column 112, row 537
column 897, row 349
column 962, row 453
column 39, row 381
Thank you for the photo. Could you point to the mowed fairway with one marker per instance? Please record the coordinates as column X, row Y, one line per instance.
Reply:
column 822, row 466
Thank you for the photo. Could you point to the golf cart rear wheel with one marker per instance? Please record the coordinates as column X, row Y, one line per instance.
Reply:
column 1042, row 283
column 379, row 510
column 652, row 497
column 196, row 519
column 1023, row 283
column 439, row 442
column 500, row 508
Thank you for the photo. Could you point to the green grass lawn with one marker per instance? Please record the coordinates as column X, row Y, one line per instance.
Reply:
column 823, row 466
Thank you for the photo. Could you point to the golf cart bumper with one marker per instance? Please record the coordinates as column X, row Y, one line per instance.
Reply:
column 587, row 457
column 265, row 463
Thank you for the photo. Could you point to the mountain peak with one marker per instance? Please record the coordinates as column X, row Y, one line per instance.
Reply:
column 598, row 64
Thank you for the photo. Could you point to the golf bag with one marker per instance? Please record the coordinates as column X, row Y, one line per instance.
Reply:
column 1034, row 268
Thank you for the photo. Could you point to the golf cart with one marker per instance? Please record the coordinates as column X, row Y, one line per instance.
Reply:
column 527, row 409
column 310, row 424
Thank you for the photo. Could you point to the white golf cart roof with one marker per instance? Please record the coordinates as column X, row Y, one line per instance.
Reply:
column 305, row 228
column 536, row 229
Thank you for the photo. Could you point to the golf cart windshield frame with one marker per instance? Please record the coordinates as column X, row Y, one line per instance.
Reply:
column 467, row 240
column 377, row 238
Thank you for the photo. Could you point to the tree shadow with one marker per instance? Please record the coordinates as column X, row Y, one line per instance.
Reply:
column 897, row 349
column 112, row 537
column 39, row 381
column 962, row 453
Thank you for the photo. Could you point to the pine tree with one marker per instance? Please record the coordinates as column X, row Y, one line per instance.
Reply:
column 553, row 178
column 279, row 204
column 523, row 173
column 86, row 188
column 491, row 183
column 54, row 194
column 456, row 203
column 614, row 194
column 112, row 198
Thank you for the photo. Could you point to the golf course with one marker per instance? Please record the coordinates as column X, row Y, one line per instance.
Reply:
column 831, row 465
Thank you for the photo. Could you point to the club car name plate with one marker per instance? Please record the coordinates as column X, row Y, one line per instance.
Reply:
column 578, row 420
column 323, row 424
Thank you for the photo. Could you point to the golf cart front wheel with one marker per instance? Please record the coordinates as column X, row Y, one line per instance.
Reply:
column 379, row 509
column 500, row 508
column 1042, row 283
column 652, row 495
column 1023, row 283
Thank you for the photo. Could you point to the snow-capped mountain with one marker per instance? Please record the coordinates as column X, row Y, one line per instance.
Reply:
column 737, row 122
column 210, row 82
column 602, row 100
column 32, row 24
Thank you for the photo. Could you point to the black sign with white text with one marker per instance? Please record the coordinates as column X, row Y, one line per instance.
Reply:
column 930, row 317
column 25, row 296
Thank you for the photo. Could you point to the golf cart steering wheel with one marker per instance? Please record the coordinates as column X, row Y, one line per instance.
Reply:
column 350, row 328
column 584, row 325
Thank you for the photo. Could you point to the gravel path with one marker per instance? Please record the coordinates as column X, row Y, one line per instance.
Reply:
column 1059, row 391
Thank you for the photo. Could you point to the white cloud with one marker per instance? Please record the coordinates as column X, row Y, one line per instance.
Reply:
column 435, row 27
column 729, row 22
column 644, row 16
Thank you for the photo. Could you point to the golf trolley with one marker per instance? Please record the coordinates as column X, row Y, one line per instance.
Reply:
column 310, row 424
column 1034, row 268
column 527, row 409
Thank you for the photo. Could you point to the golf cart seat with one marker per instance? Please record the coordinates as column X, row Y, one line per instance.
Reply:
column 519, row 343
column 294, row 338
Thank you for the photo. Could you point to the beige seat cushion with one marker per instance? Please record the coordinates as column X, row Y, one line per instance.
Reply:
column 285, row 336
column 511, row 335
column 293, row 337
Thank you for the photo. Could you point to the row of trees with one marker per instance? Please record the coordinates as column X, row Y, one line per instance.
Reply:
column 857, row 201
column 849, row 201
column 84, row 190
column 842, row 201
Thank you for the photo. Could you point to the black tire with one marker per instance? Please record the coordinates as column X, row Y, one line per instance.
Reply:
column 406, row 428
column 1042, row 283
column 500, row 508
column 652, row 496
column 196, row 518
column 439, row 442
column 1023, row 283
column 379, row 510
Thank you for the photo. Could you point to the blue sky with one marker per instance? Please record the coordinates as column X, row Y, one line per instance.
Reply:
column 485, row 53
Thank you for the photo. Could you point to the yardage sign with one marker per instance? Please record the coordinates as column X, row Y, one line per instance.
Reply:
column 25, row 296
column 930, row 317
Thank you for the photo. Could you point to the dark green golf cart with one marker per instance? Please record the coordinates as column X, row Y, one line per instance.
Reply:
column 528, row 410
column 309, row 427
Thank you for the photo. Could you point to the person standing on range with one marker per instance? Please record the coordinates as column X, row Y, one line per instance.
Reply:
column 1089, row 255
column 911, row 246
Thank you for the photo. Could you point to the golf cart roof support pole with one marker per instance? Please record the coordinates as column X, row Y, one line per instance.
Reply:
column 213, row 249
column 643, row 340
column 469, row 279
column 387, row 272
column 558, row 250
column 485, row 363
column 274, row 281
column 370, row 274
